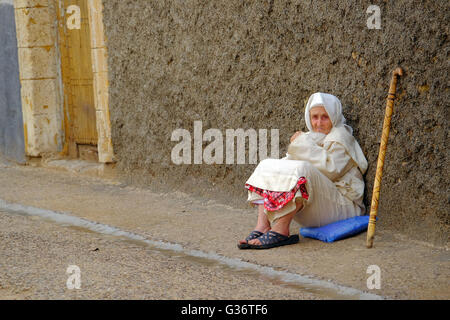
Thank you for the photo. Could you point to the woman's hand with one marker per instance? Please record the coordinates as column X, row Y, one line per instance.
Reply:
column 295, row 135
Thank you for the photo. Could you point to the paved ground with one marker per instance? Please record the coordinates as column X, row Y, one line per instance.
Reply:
column 35, row 253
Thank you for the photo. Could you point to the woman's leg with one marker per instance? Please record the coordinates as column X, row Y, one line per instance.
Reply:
column 262, row 224
column 282, row 224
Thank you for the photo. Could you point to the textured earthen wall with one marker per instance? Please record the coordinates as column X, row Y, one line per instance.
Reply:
column 252, row 64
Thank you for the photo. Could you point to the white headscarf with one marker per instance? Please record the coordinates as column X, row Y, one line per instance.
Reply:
column 341, row 132
column 333, row 107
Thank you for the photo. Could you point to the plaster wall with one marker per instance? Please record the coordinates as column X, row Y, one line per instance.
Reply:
column 11, row 124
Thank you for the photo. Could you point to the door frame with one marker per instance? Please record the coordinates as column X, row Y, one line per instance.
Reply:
column 44, row 100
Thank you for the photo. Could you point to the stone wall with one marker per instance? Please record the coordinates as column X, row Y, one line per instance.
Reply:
column 252, row 64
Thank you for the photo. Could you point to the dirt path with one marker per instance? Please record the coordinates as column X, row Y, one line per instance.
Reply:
column 409, row 269
column 36, row 255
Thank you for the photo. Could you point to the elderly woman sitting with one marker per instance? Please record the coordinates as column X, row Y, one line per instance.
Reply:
column 318, row 182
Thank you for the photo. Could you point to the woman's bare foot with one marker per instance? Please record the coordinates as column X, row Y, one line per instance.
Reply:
column 280, row 228
column 262, row 225
column 262, row 230
column 282, row 224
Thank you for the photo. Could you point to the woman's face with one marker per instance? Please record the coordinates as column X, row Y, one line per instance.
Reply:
column 320, row 120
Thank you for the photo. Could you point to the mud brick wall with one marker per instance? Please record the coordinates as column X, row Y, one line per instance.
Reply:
column 252, row 64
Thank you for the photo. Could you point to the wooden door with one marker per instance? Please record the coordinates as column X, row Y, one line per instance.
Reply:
column 76, row 67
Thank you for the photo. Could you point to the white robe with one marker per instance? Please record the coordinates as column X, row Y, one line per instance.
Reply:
column 332, row 165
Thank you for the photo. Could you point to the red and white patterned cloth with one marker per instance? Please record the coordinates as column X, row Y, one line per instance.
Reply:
column 274, row 200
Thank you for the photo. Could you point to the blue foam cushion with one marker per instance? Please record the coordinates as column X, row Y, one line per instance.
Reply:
column 337, row 230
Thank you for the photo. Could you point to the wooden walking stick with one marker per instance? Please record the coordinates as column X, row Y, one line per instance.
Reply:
column 384, row 140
